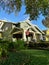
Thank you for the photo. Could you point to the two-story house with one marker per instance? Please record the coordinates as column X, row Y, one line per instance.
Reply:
column 21, row 30
column 26, row 28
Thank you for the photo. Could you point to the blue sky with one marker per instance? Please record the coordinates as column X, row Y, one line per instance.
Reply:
column 20, row 17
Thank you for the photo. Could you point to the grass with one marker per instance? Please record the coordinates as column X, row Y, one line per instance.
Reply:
column 27, row 57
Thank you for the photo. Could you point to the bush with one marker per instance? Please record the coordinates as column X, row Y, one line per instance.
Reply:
column 4, row 53
column 4, row 41
column 32, row 45
column 11, row 46
column 41, row 45
column 20, row 44
column 17, row 45
column 0, row 50
column 3, row 48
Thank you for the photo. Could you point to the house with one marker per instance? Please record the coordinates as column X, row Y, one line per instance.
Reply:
column 46, row 34
column 24, row 29
column 1, row 32
column 6, row 28
column 21, row 30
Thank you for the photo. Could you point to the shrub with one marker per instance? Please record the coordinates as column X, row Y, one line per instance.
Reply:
column 4, row 53
column 32, row 45
column 17, row 45
column 11, row 46
column 20, row 44
column 40, row 45
column 3, row 41
column 0, row 50
column 3, row 47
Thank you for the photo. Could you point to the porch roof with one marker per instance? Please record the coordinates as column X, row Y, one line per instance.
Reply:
column 16, row 30
column 33, row 30
column 35, row 27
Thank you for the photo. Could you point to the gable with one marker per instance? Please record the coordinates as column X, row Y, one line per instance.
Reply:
column 39, row 30
column 25, row 25
column 7, row 26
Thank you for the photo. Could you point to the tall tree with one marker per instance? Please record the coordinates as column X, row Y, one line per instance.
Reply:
column 33, row 7
column 36, row 7
column 46, row 21
column 11, row 5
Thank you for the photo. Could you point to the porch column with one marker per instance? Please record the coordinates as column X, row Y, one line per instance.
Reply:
column 41, row 37
column 34, row 37
column 24, row 35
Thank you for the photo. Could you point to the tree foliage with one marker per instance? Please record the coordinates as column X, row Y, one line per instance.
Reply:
column 33, row 7
column 36, row 7
column 10, row 5
column 46, row 21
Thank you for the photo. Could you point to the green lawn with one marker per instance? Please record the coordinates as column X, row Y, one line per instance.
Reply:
column 27, row 57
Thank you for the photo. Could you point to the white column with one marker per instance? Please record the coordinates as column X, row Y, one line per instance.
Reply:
column 24, row 35
column 41, row 37
column 34, row 36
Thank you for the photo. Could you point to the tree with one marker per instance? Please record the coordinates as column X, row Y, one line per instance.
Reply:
column 46, row 21
column 10, row 5
column 36, row 7
column 33, row 7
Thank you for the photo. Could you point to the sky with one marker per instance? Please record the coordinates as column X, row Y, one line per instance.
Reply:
column 20, row 17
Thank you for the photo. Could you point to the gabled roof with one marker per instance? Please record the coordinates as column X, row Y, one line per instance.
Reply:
column 39, row 29
column 16, row 29
column 36, row 28
column 5, row 21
